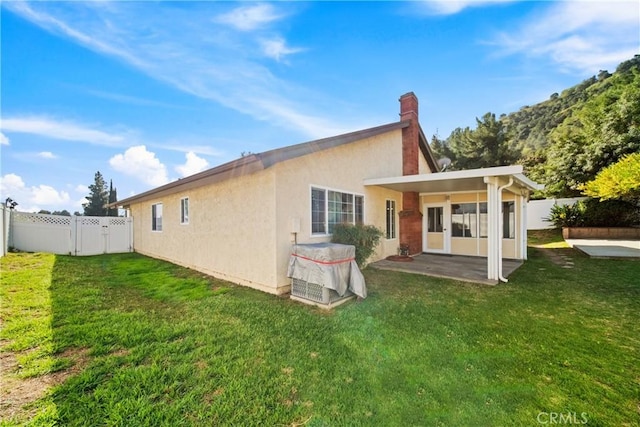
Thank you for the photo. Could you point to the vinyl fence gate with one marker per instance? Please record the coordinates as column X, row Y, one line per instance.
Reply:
column 70, row 235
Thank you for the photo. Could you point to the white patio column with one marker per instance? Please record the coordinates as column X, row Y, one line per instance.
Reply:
column 522, row 232
column 493, row 228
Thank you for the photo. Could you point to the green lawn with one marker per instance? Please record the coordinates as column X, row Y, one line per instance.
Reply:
column 127, row 340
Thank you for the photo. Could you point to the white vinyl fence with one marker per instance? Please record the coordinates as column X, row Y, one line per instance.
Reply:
column 70, row 235
column 538, row 210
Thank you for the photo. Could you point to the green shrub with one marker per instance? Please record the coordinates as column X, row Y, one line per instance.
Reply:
column 610, row 213
column 567, row 215
column 595, row 213
column 363, row 237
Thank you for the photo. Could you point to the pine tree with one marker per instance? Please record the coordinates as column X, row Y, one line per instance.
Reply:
column 113, row 197
column 486, row 146
column 97, row 198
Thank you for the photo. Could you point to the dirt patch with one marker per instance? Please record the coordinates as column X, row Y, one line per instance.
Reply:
column 558, row 256
column 16, row 392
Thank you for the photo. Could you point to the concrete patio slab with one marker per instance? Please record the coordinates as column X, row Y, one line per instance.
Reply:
column 595, row 248
column 465, row 268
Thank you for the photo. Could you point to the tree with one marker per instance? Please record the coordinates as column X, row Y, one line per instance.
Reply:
column 63, row 212
column 486, row 146
column 618, row 181
column 598, row 134
column 113, row 197
column 440, row 147
column 98, row 197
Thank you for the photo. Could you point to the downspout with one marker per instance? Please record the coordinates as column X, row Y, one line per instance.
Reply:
column 500, row 228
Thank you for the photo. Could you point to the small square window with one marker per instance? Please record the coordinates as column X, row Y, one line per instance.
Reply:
column 184, row 210
column 156, row 217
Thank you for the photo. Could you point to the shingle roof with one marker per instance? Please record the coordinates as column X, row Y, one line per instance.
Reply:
column 255, row 162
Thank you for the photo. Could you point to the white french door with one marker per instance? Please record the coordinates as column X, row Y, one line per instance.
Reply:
column 436, row 228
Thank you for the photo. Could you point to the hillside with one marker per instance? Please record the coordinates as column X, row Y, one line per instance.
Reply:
column 562, row 142
column 531, row 126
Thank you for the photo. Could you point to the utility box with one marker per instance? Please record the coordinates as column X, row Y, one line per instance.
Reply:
column 325, row 274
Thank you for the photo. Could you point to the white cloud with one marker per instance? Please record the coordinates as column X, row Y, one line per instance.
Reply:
column 83, row 189
column 3, row 139
column 578, row 36
column 191, row 51
column 277, row 48
column 34, row 198
column 194, row 164
column 47, row 155
column 249, row 18
column 11, row 184
column 450, row 7
column 63, row 130
column 46, row 195
column 141, row 164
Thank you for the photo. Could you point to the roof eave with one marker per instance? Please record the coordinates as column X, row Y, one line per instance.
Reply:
column 404, row 182
column 255, row 162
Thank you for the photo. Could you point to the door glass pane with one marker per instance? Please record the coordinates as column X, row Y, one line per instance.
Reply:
column 434, row 217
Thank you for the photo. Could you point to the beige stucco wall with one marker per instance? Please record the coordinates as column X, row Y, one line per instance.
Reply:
column 423, row 166
column 231, row 230
column 240, row 229
column 341, row 168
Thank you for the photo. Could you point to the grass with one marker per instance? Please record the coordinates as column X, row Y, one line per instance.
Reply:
column 144, row 342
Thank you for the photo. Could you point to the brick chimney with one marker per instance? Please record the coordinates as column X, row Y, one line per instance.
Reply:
column 410, row 215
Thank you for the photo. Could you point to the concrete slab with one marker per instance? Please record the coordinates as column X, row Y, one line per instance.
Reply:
column 607, row 249
column 465, row 268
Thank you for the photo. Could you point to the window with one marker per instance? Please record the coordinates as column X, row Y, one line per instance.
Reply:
column 391, row 219
column 156, row 217
column 318, row 211
column 508, row 220
column 434, row 218
column 330, row 207
column 472, row 220
column 464, row 222
column 484, row 220
column 184, row 210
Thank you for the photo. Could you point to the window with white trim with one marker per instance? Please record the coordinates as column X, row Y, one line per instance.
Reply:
column 508, row 220
column 471, row 220
column 464, row 220
column 331, row 207
column 156, row 217
column 484, row 219
column 184, row 210
column 391, row 219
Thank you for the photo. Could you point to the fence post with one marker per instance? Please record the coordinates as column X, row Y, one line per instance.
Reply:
column 75, row 238
column 5, row 222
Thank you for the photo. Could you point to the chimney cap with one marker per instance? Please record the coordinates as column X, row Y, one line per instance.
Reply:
column 408, row 94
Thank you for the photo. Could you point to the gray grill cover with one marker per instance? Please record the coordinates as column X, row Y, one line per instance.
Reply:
column 331, row 265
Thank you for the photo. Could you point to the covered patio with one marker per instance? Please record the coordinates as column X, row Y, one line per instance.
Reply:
column 471, row 223
column 458, row 267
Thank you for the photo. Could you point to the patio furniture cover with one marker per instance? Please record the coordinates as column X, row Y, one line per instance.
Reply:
column 331, row 265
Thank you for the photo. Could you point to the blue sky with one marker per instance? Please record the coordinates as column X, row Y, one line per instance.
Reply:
column 149, row 92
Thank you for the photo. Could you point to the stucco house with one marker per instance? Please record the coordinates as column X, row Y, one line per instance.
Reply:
column 238, row 221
